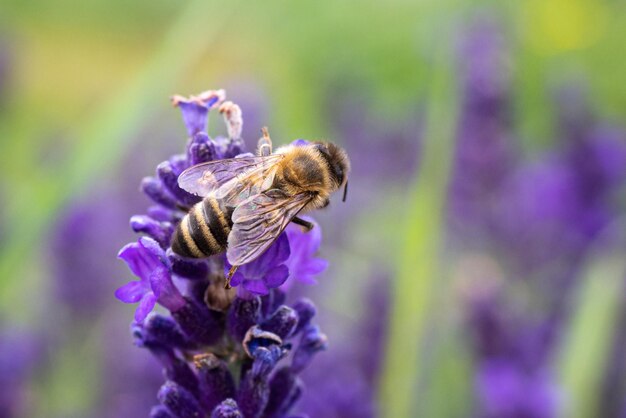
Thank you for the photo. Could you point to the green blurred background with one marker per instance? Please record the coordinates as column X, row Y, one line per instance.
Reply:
column 86, row 83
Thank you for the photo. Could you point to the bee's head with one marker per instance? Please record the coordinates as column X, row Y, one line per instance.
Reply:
column 337, row 161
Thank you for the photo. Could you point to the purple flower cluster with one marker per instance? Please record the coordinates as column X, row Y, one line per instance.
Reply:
column 220, row 349
column 226, row 364
column 538, row 218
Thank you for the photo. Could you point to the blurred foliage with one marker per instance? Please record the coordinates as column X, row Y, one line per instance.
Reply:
column 87, row 78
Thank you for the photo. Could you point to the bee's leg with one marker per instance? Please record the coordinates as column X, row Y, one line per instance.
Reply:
column 232, row 271
column 233, row 119
column 305, row 224
column 265, row 143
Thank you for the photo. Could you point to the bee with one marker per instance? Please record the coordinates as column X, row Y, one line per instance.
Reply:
column 248, row 201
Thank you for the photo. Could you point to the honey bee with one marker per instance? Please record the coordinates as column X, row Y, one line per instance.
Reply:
column 249, row 201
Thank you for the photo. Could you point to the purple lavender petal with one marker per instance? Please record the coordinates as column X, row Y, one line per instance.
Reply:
column 198, row 323
column 285, row 389
column 161, row 232
column 163, row 214
column 276, row 254
column 153, row 250
column 254, row 389
column 256, row 338
column 313, row 267
column 306, row 311
column 160, row 411
column 216, row 381
column 276, row 277
column 179, row 401
column 312, row 341
column 175, row 369
column 195, row 116
column 227, row 409
column 179, row 372
column 131, row 292
column 236, row 279
column 165, row 331
column 137, row 260
column 153, row 188
column 227, row 148
column 169, row 177
column 167, row 294
column 256, row 287
column 146, row 304
column 282, row 322
column 243, row 314
column 202, row 149
column 302, row 263
column 146, row 259
column 272, row 301
column 189, row 269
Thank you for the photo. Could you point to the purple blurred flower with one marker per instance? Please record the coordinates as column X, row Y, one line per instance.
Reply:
column 537, row 218
column 508, row 391
column 355, row 360
column 485, row 154
column 221, row 354
column 81, row 235
column 20, row 352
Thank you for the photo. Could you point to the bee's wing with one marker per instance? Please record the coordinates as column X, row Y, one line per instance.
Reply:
column 252, row 182
column 258, row 221
column 203, row 178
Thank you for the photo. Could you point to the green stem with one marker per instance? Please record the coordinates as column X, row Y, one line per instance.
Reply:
column 590, row 333
column 418, row 264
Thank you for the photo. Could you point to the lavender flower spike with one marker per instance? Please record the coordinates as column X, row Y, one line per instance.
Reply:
column 219, row 348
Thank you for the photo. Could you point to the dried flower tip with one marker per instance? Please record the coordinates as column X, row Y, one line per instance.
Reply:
column 256, row 338
column 233, row 119
column 209, row 98
column 205, row 361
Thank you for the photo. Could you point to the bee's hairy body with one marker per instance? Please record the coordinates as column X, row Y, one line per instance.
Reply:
column 317, row 170
column 306, row 170
column 203, row 232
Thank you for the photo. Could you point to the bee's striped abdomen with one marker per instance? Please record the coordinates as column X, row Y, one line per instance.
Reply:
column 204, row 230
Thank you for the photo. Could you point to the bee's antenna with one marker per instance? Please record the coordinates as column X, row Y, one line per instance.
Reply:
column 265, row 143
column 265, row 132
column 345, row 192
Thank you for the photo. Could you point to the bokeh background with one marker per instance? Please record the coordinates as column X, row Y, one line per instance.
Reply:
column 478, row 267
